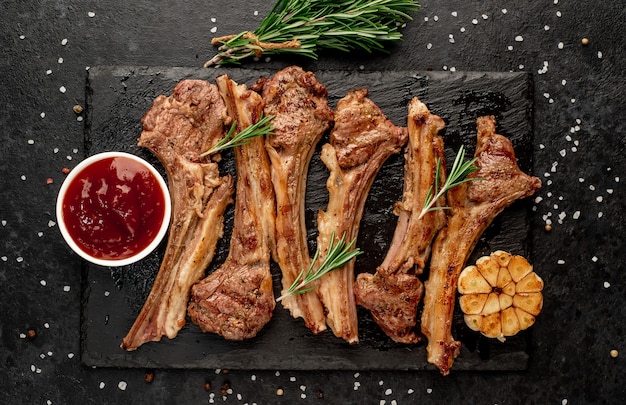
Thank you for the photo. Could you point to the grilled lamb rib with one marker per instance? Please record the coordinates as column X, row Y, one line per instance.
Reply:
column 237, row 299
column 361, row 140
column 177, row 129
column 393, row 293
column 474, row 205
column 301, row 113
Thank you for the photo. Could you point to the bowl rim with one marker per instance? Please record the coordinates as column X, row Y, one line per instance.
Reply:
column 142, row 253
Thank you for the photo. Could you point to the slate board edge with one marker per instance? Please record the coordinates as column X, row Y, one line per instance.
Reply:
column 94, row 359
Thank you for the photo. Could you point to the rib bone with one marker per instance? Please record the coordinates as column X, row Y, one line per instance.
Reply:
column 474, row 206
column 360, row 142
column 177, row 129
column 393, row 293
column 237, row 299
column 298, row 102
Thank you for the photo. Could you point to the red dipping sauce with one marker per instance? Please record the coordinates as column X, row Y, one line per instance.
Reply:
column 114, row 208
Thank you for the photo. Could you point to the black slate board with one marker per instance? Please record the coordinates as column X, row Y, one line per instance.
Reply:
column 118, row 97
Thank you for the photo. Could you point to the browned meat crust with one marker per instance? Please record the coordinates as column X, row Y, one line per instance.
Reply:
column 177, row 129
column 299, row 104
column 360, row 142
column 393, row 293
column 474, row 206
column 237, row 299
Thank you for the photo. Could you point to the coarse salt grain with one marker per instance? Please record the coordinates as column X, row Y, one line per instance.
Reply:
column 64, row 41
column 576, row 215
column 504, row 11
column 519, row 38
column 66, row 288
column 43, row 282
column 91, row 14
column 594, row 259
column 253, row 377
column 60, row 60
column 122, row 385
column 214, row 30
column 429, row 390
column 42, row 115
column 70, row 355
column 388, row 391
column 474, row 21
column 46, row 325
column 292, row 379
column 102, row 385
column 560, row 261
column 410, row 391
column 607, row 284
column 51, row 223
column 62, row 89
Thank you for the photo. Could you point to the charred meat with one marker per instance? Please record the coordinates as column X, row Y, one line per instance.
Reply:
column 361, row 140
column 474, row 205
column 301, row 113
column 393, row 293
column 177, row 129
column 237, row 300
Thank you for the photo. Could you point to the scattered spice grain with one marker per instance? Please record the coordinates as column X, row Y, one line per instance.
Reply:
column 31, row 334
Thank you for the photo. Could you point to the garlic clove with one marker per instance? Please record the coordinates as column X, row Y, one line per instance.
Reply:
column 489, row 268
column 505, row 301
column 530, row 283
column 502, row 257
column 529, row 302
column 519, row 267
column 472, row 304
column 525, row 319
column 492, row 305
column 472, row 282
column 473, row 321
column 491, row 326
column 510, row 322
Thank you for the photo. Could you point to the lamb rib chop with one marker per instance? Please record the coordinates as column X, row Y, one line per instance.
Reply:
column 393, row 293
column 301, row 113
column 360, row 142
column 177, row 129
column 474, row 205
column 237, row 299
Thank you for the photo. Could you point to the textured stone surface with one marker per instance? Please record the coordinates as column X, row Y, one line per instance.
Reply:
column 578, row 151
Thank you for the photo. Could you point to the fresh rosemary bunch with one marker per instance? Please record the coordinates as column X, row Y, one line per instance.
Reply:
column 262, row 127
column 338, row 255
column 457, row 176
column 302, row 27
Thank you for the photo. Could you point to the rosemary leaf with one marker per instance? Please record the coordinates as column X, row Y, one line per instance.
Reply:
column 459, row 173
column 303, row 27
column 337, row 256
column 261, row 128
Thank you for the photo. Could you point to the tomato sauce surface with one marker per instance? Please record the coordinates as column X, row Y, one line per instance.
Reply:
column 114, row 208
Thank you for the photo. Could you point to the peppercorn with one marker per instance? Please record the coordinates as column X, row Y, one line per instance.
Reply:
column 31, row 334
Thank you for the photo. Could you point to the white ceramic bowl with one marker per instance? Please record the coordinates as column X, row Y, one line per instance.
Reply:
column 125, row 259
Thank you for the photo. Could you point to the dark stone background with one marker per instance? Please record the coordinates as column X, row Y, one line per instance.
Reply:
column 579, row 148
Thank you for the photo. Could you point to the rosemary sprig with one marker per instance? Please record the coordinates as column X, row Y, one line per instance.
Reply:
column 458, row 175
column 338, row 255
column 302, row 27
column 262, row 127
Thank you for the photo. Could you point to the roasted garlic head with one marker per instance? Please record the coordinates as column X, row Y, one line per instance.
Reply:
column 500, row 295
